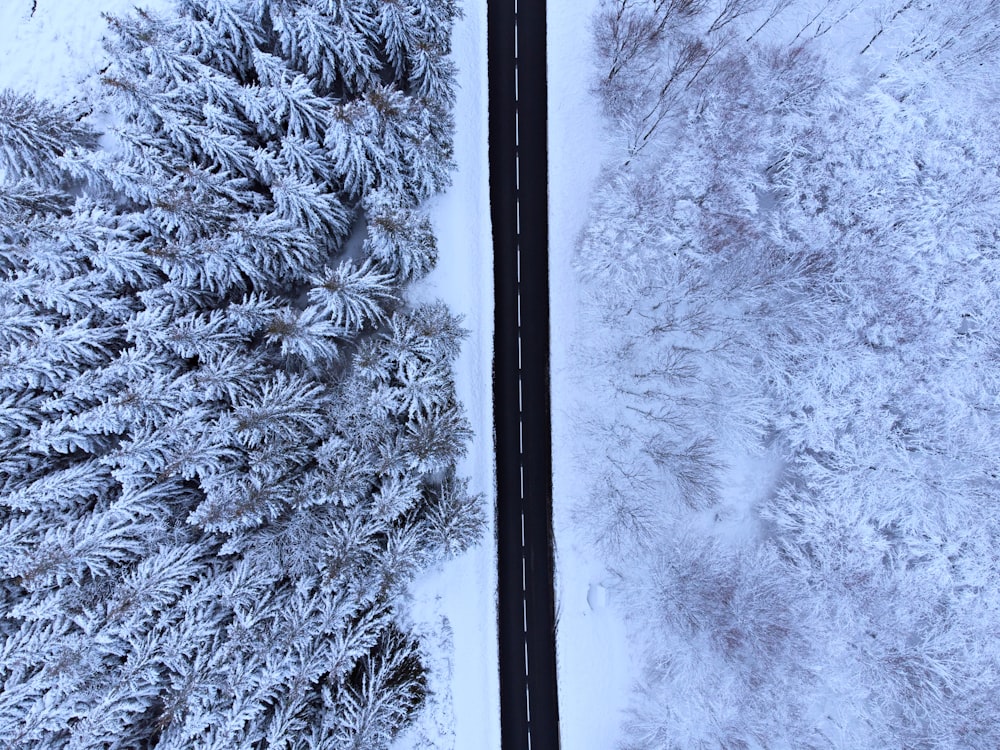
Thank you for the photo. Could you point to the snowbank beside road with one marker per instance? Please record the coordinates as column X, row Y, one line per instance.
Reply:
column 456, row 604
column 592, row 650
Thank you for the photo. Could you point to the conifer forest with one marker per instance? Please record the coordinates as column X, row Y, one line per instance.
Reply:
column 227, row 441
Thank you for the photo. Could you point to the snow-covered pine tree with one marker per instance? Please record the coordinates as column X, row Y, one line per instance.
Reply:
column 33, row 135
column 399, row 239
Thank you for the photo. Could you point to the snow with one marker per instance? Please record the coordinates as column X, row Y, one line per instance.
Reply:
column 597, row 657
column 593, row 654
column 597, row 662
column 52, row 48
column 455, row 605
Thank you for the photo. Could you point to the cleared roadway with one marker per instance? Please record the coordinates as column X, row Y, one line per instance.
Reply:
column 519, row 207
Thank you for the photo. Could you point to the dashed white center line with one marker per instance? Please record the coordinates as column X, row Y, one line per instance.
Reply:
column 520, row 404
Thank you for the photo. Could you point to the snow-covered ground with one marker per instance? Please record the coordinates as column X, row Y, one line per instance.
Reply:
column 51, row 48
column 455, row 605
column 592, row 649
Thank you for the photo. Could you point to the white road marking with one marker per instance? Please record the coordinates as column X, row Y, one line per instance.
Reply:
column 520, row 402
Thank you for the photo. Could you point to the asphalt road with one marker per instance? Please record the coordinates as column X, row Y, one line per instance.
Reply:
column 519, row 207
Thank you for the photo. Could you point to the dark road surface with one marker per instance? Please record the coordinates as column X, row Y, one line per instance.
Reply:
column 519, row 207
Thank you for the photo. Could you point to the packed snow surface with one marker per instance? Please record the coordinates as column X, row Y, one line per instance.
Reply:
column 456, row 603
column 592, row 649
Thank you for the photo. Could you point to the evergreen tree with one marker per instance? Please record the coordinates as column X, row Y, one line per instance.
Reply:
column 33, row 135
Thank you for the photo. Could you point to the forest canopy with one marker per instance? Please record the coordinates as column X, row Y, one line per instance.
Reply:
column 227, row 441
column 791, row 267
